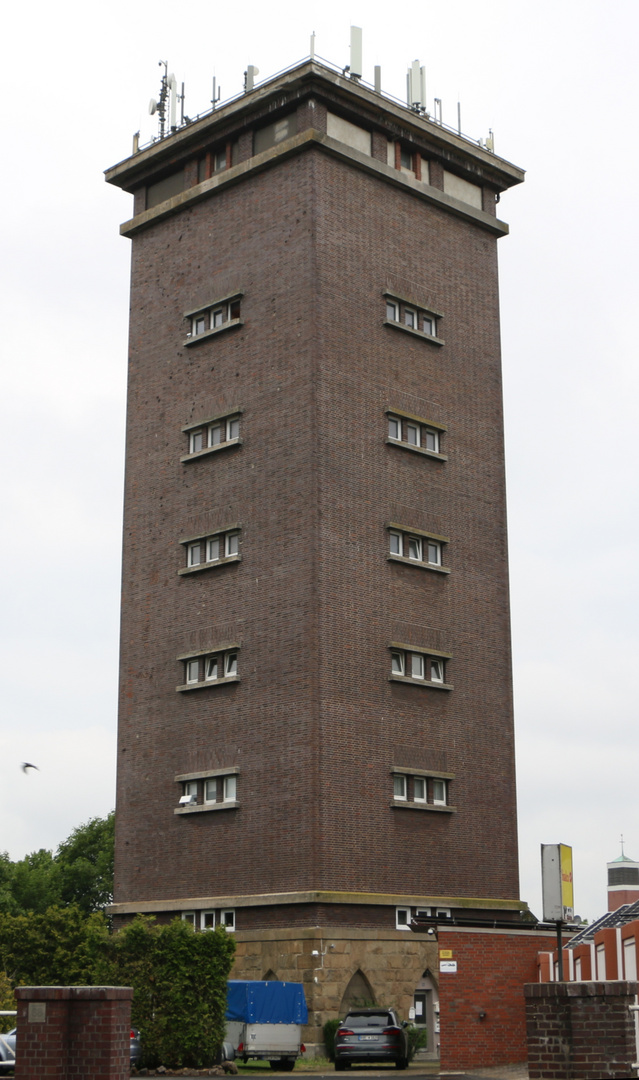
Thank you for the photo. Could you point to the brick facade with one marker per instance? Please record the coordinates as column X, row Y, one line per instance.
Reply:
column 482, row 1007
column 582, row 1030
column 311, row 234
column 69, row 1032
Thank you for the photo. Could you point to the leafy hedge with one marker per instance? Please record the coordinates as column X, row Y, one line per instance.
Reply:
column 179, row 976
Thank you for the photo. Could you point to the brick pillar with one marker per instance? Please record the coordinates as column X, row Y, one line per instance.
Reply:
column 73, row 1032
column 580, row 1030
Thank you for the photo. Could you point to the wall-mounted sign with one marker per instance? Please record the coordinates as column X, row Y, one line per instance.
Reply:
column 556, row 882
column 445, row 954
column 449, row 966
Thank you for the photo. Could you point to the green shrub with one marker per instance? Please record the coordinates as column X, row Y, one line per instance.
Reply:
column 329, row 1029
column 417, row 1039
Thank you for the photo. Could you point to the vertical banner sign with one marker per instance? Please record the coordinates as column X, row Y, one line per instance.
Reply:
column 556, row 882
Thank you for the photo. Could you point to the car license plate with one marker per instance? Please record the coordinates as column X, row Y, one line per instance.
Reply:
column 363, row 1038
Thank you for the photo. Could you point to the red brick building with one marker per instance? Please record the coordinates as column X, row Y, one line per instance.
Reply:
column 316, row 731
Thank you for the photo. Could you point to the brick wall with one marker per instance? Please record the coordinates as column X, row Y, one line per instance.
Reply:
column 482, row 1008
column 580, row 1030
column 73, row 1033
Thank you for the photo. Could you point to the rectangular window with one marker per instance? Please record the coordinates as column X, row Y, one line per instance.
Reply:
column 206, row 670
column 437, row 671
column 396, row 543
column 227, row 919
column 189, row 917
column 213, row 549
column 232, row 544
column 416, row 666
column 196, row 441
column 413, row 435
column 399, row 786
column 394, row 428
column 210, row 791
column 213, row 318
column 230, row 789
column 397, row 663
column 194, row 555
column 409, row 316
column 207, row 920
column 402, row 918
column 233, row 428
column 434, row 553
column 419, row 789
column 431, row 440
column 215, row 435
column 439, row 792
column 414, row 548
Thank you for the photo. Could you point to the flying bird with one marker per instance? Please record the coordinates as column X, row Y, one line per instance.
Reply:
column 27, row 765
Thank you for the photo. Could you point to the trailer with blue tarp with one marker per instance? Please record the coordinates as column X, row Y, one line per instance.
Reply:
column 264, row 1020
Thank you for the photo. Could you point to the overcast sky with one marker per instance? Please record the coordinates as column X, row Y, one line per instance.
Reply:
column 557, row 82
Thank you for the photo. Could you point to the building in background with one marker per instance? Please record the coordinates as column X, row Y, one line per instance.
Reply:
column 316, row 731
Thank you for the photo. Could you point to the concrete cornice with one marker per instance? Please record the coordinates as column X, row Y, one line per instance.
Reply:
column 313, row 897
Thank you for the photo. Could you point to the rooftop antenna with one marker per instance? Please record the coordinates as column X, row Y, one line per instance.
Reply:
column 216, row 93
column 378, row 79
column 159, row 106
column 416, row 87
column 355, row 69
column 437, row 110
column 249, row 78
column 173, row 96
column 622, row 850
column 313, row 45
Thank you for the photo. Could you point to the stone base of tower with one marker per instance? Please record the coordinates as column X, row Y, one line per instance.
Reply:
column 342, row 967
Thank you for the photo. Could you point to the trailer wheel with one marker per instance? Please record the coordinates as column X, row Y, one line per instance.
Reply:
column 283, row 1064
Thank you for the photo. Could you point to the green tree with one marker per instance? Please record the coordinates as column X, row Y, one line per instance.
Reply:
column 85, row 864
column 62, row 947
column 81, row 873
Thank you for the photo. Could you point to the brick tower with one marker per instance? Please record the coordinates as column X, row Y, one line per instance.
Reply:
column 316, row 731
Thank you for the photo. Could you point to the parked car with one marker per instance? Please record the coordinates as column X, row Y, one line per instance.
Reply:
column 371, row 1035
column 8, row 1049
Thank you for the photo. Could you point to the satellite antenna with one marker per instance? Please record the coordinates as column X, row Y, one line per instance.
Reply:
column 355, row 69
column 416, row 87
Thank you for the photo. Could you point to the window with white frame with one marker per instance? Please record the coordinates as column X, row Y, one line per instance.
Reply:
column 420, row 789
column 208, row 436
column 204, row 552
column 413, row 433
column 412, row 664
column 207, row 920
column 209, row 669
column 418, row 320
column 189, row 917
column 212, row 789
column 415, row 546
column 211, row 318
column 227, row 919
column 402, row 918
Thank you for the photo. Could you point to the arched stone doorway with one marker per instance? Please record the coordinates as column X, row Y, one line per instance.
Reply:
column 426, row 1006
column 358, row 992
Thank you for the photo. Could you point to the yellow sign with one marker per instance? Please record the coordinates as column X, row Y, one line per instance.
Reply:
column 445, row 954
column 565, row 854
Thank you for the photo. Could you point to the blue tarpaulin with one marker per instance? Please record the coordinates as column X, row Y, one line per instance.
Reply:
column 256, row 1002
